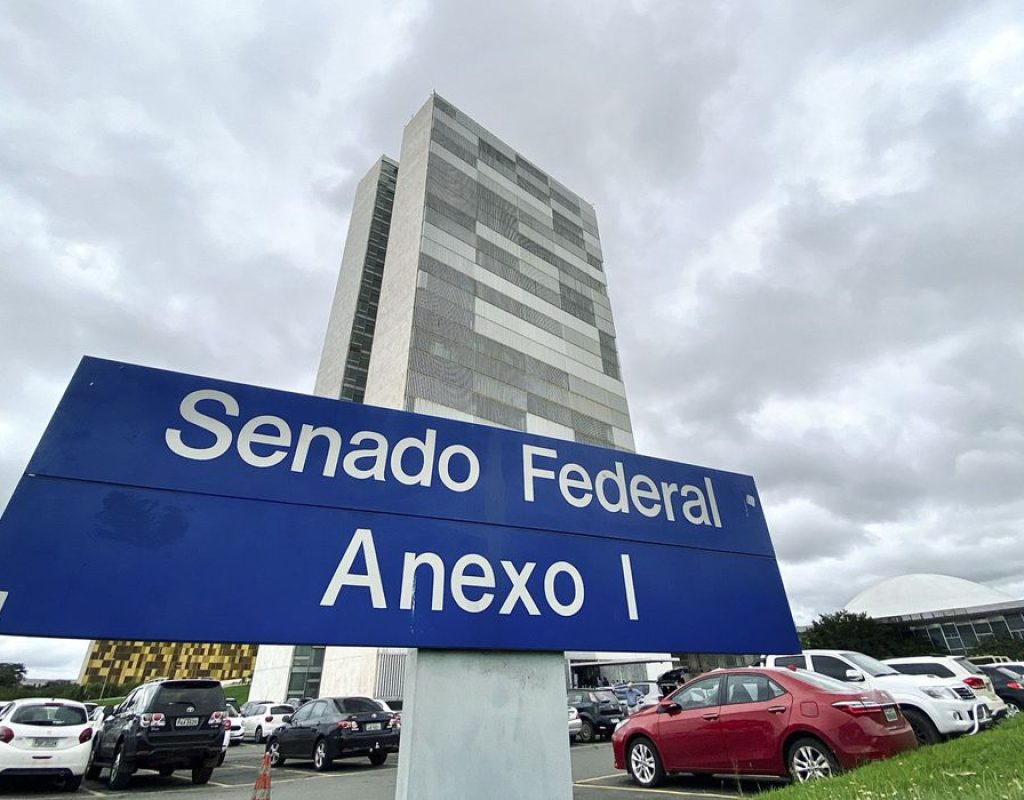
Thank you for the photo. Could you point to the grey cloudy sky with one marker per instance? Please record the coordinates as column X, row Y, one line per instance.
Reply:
column 810, row 215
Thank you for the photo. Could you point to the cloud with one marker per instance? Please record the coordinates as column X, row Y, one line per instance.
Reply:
column 808, row 216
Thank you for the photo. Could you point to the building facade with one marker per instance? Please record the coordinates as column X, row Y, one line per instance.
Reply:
column 472, row 287
column 123, row 663
column 950, row 615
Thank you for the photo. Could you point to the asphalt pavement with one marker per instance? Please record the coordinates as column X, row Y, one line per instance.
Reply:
column 594, row 778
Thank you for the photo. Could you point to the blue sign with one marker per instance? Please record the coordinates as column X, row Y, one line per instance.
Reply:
column 150, row 488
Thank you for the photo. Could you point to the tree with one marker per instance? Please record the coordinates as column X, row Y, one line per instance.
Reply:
column 845, row 630
column 999, row 645
column 11, row 675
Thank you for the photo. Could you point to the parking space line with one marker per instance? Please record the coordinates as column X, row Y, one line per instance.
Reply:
column 601, row 777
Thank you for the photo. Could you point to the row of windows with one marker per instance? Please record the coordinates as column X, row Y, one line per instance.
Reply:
column 357, row 362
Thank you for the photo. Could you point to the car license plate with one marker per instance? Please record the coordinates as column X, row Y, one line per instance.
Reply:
column 186, row 722
column 890, row 714
column 44, row 742
column 373, row 726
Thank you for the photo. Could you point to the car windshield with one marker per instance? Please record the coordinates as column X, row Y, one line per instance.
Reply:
column 871, row 666
column 52, row 715
column 1009, row 673
column 281, row 710
column 603, row 696
column 968, row 665
column 178, row 697
column 819, row 681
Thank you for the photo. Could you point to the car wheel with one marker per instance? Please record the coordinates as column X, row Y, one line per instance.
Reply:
column 274, row 748
column 586, row 734
column 71, row 783
column 809, row 759
column 258, row 735
column 1012, row 709
column 321, row 762
column 378, row 757
column 201, row 775
column 644, row 763
column 924, row 729
column 166, row 772
column 92, row 769
column 120, row 773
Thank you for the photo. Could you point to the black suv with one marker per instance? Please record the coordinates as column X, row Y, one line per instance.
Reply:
column 600, row 711
column 162, row 725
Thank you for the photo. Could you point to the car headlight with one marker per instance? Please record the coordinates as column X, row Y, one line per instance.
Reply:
column 939, row 693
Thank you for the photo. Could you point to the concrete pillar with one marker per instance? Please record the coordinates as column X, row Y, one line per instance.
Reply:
column 484, row 725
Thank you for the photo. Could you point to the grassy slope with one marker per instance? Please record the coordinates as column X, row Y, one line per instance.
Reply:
column 983, row 767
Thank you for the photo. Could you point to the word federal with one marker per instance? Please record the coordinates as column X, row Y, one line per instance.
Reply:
column 267, row 440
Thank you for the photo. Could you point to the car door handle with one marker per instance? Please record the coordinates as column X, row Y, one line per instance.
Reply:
column 710, row 716
column 776, row 709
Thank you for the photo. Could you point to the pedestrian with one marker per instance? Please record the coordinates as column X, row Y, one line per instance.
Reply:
column 633, row 696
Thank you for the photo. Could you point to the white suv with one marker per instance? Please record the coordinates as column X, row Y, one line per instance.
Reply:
column 934, row 707
column 957, row 667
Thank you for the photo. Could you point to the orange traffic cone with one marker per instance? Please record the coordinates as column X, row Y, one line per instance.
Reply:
column 261, row 789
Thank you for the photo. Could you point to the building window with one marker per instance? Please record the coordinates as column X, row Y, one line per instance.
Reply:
column 307, row 668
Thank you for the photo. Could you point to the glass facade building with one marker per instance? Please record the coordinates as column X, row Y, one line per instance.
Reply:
column 472, row 286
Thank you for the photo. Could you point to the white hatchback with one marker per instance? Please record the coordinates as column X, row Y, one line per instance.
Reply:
column 262, row 719
column 45, row 737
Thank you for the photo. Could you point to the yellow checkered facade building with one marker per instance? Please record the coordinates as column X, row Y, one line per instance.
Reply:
column 116, row 662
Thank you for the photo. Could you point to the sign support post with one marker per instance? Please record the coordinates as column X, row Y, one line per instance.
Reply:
column 484, row 724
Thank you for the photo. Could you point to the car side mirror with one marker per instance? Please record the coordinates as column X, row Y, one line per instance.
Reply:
column 108, row 711
column 854, row 675
column 667, row 706
column 286, row 718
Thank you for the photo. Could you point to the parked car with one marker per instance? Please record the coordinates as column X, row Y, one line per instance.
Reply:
column 575, row 723
column 934, row 707
column 759, row 721
column 649, row 694
column 236, row 734
column 46, row 738
column 958, row 668
column 163, row 725
column 989, row 660
column 1009, row 685
column 336, row 727
column 600, row 711
column 263, row 718
column 248, row 708
column 394, row 704
column 669, row 681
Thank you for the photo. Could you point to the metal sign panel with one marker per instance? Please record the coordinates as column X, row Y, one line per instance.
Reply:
column 382, row 527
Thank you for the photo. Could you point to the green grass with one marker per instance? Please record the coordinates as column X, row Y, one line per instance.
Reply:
column 987, row 766
column 238, row 694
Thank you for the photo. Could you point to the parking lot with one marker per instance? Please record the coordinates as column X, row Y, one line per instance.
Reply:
column 594, row 778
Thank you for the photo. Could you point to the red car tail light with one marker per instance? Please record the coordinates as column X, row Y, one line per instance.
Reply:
column 227, row 723
column 6, row 734
column 85, row 736
column 215, row 719
column 858, row 707
column 1014, row 685
column 152, row 720
column 348, row 725
column 268, row 719
column 395, row 721
column 975, row 682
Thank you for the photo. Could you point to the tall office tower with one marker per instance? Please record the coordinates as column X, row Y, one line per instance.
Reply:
column 471, row 287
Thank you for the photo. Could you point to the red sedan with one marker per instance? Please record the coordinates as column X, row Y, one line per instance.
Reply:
column 761, row 722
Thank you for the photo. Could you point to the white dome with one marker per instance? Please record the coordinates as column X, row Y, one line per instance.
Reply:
column 918, row 594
